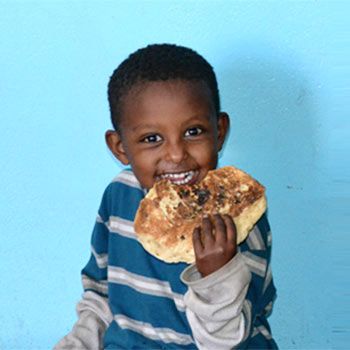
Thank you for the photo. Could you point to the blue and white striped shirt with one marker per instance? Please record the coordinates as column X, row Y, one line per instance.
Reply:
column 146, row 295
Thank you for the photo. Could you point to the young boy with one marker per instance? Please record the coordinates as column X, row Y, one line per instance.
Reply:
column 165, row 110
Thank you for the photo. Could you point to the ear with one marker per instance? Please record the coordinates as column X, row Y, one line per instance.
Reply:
column 223, row 127
column 114, row 143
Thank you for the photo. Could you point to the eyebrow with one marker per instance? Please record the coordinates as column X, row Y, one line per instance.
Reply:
column 143, row 126
column 152, row 126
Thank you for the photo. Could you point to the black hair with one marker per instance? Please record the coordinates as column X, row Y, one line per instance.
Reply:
column 159, row 62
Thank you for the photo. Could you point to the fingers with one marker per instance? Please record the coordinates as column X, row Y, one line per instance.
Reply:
column 196, row 240
column 207, row 232
column 220, row 229
column 214, row 243
column 230, row 229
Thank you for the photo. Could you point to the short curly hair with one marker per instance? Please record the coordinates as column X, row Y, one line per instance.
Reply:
column 159, row 62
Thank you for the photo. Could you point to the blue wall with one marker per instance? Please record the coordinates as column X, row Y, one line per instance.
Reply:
column 282, row 69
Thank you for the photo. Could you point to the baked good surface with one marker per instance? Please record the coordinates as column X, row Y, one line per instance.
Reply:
column 169, row 213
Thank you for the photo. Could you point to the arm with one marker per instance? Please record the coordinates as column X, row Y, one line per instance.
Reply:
column 93, row 318
column 93, row 311
column 214, row 304
column 227, row 307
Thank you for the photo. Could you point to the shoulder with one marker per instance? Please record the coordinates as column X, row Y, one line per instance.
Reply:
column 122, row 195
column 124, row 181
column 127, row 178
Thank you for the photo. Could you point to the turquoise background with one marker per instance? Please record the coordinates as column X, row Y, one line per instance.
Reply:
column 283, row 72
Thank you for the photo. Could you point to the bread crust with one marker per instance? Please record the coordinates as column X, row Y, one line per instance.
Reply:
column 169, row 213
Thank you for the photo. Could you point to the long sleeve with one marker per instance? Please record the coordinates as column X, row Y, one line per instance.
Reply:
column 214, row 304
column 229, row 308
column 94, row 315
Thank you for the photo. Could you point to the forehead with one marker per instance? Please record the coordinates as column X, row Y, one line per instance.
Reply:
column 160, row 98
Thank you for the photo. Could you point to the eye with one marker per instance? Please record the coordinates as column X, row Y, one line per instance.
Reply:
column 152, row 138
column 193, row 131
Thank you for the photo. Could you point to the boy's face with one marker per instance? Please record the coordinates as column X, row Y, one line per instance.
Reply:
column 170, row 130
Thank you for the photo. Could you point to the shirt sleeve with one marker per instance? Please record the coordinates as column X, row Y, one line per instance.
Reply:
column 94, row 315
column 229, row 308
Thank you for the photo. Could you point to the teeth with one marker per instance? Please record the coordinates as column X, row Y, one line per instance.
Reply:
column 179, row 178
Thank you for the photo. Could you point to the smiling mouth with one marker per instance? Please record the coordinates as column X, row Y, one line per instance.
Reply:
column 184, row 178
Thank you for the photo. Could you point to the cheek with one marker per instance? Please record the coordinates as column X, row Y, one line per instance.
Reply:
column 205, row 155
column 144, row 163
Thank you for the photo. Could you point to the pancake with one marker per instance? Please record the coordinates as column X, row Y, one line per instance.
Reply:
column 169, row 213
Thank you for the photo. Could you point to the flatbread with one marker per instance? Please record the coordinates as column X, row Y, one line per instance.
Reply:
column 169, row 213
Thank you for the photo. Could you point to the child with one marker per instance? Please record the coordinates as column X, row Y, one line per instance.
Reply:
column 165, row 110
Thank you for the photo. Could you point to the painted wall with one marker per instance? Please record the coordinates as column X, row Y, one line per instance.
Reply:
column 283, row 73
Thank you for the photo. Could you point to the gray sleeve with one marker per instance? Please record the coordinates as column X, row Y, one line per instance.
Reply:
column 214, row 304
column 94, row 316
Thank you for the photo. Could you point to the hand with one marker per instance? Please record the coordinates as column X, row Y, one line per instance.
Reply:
column 214, row 243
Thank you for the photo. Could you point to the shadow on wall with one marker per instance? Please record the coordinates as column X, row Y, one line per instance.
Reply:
column 273, row 128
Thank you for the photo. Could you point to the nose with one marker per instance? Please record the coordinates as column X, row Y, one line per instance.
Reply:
column 176, row 151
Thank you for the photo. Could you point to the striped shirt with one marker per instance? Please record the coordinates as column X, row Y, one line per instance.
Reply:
column 146, row 295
